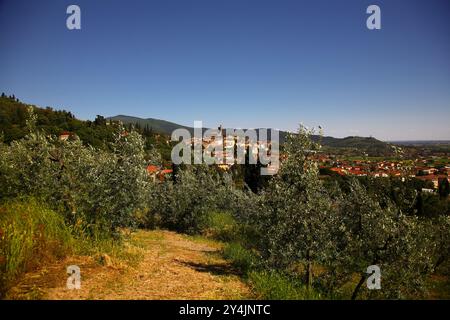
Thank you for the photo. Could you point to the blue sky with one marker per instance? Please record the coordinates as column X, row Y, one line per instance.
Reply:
column 240, row 63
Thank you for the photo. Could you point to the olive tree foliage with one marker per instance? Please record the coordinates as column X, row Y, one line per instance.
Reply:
column 296, row 212
column 154, row 157
column 184, row 203
column 439, row 229
column 96, row 190
column 368, row 232
column 332, row 236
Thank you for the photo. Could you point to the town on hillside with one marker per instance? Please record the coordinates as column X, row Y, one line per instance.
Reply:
column 428, row 170
column 431, row 168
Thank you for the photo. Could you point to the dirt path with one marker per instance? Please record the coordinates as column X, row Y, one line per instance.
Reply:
column 173, row 266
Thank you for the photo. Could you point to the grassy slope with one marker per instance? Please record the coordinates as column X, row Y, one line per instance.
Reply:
column 30, row 235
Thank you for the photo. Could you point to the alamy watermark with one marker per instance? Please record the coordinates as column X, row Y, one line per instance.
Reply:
column 227, row 147
column 374, row 280
column 374, row 20
column 74, row 279
column 73, row 21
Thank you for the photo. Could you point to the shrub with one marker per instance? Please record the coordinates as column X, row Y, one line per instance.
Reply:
column 96, row 190
column 30, row 233
column 185, row 203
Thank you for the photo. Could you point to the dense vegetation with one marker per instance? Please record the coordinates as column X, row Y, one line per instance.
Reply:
column 298, row 236
column 94, row 191
column 98, row 133
column 407, row 195
column 311, row 237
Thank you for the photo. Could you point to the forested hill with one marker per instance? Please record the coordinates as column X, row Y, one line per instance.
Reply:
column 369, row 145
column 13, row 115
column 97, row 133
column 161, row 126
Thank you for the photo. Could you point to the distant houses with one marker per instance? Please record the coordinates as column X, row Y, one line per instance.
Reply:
column 157, row 173
column 434, row 179
column 63, row 136
column 383, row 169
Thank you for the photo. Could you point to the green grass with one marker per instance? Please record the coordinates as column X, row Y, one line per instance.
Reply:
column 268, row 285
column 221, row 226
column 240, row 257
column 30, row 234
column 265, row 284
column 271, row 285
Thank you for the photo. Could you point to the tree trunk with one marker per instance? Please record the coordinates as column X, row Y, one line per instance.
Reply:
column 360, row 283
column 440, row 260
column 309, row 275
column 309, row 272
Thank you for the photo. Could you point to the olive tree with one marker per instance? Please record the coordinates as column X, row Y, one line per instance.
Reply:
column 96, row 190
column 296, row 211
column 439, row 229
column 369, row 232
column 184, row 202
column 343, row 232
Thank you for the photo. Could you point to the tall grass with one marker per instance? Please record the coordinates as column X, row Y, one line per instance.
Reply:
column 272, row 285
column 30, row 234
column 220, row 226
column 240, row 257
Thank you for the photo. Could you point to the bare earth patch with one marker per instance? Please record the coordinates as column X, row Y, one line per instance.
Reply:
column 174, row 266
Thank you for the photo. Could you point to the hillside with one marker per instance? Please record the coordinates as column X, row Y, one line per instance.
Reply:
column 97, row 133
column 161, row 126
column 13, row 116
column 369, row 145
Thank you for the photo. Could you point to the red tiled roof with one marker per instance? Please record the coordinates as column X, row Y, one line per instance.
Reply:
column 428, row 177
column 152, row 169
column 162, row 174
column 338, row 171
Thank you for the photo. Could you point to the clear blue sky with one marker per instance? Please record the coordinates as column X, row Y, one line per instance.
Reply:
column 242, row 63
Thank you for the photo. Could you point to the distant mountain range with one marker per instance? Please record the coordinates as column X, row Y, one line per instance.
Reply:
column 421, row 143
column 13, row 115
column 365, row 144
